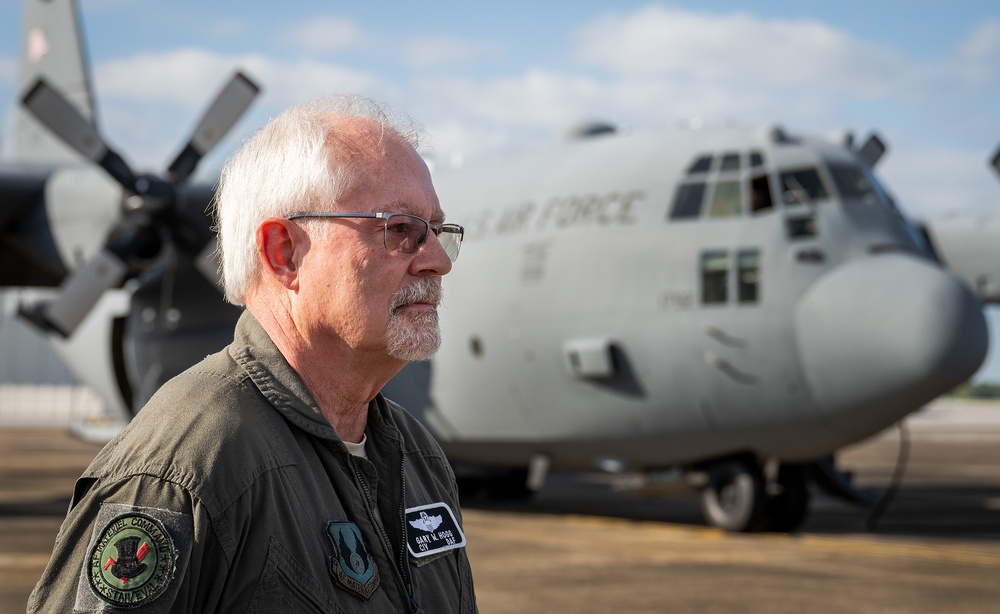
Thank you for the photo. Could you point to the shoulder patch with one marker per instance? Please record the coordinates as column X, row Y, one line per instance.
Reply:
column 432, row 529
column 352, row 564
column 133, row 557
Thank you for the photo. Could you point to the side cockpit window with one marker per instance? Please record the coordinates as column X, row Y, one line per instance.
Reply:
column 760, row 194
column 802, row 186
column 852, row 183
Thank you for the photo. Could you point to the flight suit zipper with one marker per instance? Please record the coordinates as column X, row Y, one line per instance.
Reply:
column 377, row 519
column 403, row 559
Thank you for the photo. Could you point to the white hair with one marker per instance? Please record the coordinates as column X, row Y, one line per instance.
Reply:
column 309, row 157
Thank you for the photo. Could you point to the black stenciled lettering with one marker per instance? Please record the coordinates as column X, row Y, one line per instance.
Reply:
column 480, row 226
column 515, row 219
column 546, row 213
column 602, row 205
column 625, row 214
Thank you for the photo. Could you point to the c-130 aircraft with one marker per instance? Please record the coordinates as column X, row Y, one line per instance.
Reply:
column 735, row 305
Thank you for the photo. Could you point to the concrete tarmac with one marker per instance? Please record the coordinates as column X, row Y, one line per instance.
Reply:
column 586, row 545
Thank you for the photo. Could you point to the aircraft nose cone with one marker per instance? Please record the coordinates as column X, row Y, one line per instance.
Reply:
column 880, row 337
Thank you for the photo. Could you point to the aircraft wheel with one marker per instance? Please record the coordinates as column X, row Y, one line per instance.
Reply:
column 734, row 498
column 787, row 510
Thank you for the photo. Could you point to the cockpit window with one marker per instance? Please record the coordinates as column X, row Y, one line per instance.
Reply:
column 701, row 165
column 725, row 185
column 687, row 201
column 730, row 162
column 803, row 186
column 725, row 200
column 852, row 183
column 760, row 194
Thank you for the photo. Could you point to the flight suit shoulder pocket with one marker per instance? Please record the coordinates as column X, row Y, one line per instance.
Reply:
column 287, row 586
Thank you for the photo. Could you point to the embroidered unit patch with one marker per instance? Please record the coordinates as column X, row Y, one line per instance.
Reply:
column 353, row 565
column 133, row 561
column 432, row 529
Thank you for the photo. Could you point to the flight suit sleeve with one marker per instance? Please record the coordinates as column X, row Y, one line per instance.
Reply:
column 140, row 543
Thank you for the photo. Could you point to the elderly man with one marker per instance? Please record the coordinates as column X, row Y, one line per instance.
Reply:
column 273, row 476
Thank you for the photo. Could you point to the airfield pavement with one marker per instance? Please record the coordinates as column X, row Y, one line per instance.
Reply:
column 583, row 545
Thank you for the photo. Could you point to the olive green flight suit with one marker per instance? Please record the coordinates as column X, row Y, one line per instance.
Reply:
column 230, row 492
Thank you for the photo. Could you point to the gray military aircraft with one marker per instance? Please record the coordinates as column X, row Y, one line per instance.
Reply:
column 730, row 305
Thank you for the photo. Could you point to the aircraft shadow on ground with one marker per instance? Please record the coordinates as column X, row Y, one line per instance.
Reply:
column 53, row 507
column 947, row 512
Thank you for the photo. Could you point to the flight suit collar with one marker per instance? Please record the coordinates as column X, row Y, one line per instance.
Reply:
column 263, row 362
column 266, row 366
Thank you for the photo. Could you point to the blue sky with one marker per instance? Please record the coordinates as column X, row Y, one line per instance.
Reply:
column 488, row 78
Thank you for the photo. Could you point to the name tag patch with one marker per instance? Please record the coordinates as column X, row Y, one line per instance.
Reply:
column 432, row 529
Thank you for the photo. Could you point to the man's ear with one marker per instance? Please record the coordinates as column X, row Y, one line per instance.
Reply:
column 281, row 244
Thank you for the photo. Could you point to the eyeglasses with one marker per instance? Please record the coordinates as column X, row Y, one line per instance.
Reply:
column 403, row 233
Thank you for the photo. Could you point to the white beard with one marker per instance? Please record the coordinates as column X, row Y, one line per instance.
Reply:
column 414, row 335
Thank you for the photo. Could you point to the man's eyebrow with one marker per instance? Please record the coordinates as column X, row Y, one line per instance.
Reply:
column 399, row 206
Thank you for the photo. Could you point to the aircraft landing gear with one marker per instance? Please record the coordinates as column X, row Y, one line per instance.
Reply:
column 734, row 498
column 738, row 497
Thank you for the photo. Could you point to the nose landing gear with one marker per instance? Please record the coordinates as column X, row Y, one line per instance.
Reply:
column 740, row 497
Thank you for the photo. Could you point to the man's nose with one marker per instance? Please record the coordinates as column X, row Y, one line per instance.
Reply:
column 431, row 258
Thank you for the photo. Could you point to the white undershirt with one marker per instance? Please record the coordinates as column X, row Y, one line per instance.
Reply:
column 358, row 449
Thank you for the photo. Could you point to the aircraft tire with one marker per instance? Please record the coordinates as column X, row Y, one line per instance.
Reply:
column 787, row 510
column 734, row 498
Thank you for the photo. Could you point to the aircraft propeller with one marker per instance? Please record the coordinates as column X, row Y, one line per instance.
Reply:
column 151, row 211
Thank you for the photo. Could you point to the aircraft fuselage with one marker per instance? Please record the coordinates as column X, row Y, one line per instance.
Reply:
column 660, row 299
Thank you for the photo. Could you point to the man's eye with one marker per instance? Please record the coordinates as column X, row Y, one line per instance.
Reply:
column 399, row 228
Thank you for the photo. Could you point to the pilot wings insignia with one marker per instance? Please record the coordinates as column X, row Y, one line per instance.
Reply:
column 426, row 523
column 435, row 530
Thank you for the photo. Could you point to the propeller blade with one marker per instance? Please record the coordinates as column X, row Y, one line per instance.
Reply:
column 79, row 294
column 873, row 149
column 65, row 121
column 133, row 238
column 996, row 161
column 221, row 116
column 207, row 263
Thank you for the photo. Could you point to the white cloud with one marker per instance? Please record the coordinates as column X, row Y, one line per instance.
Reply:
column 934, row 181
column 186, row 77
column 326, row 34
column 332, row 34
column 978, row 56
column 737, row 49
column 426, row 53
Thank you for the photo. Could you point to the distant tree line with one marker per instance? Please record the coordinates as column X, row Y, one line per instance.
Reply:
column 982, row 390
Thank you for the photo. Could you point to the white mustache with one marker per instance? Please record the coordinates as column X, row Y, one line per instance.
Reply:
column 424, row 290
